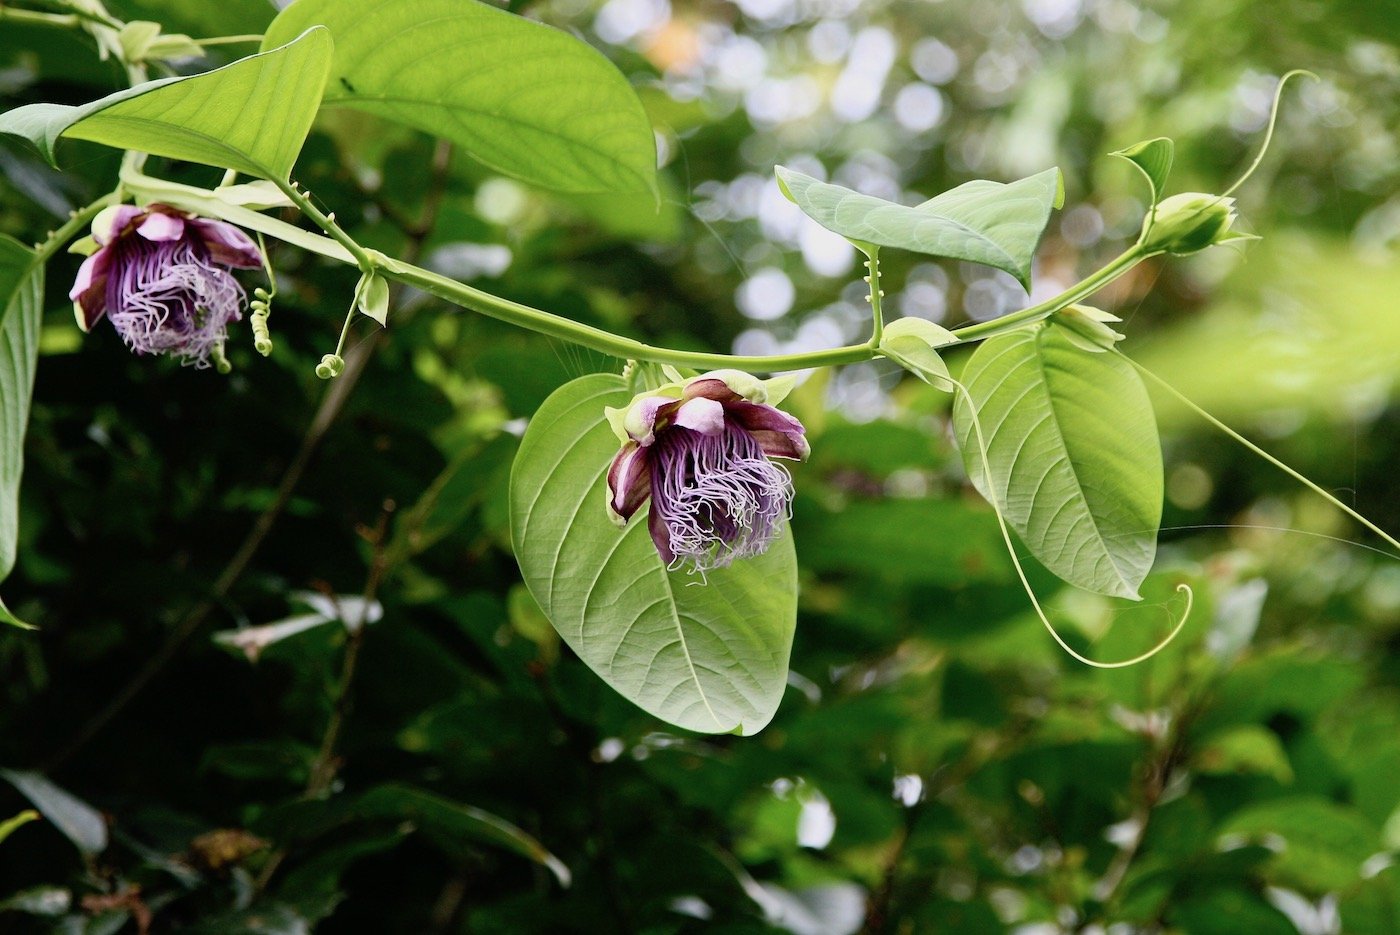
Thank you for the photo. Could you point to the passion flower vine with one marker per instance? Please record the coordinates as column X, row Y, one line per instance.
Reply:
column 700, row 450
column 161, row 277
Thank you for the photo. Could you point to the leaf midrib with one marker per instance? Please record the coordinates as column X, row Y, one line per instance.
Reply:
column 1054, row 420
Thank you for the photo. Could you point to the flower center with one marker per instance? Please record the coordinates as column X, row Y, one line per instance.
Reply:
column 718, row 495
column 168, row 297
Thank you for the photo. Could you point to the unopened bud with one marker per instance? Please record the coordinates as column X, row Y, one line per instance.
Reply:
column 1188, row 223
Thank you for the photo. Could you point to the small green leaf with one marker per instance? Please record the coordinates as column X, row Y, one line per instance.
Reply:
column 451, row 824
column 80, row 822
column 21, row 313
column 1153, row 158
column 991, row 223
column 707, row 655
column 373, row 299
column 525, row 99
column 910, row 342
column 1076, row 464
column 11, row 620
column 1244, row 749
column 252, row 115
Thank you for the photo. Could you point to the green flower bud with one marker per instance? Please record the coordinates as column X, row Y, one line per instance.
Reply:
column 1188, row 223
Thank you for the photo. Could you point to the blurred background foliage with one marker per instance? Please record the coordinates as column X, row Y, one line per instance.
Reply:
column 410, row 750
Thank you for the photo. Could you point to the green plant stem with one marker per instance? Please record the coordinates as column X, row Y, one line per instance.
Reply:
column 36, row 18
column 228, row 40
column 1080, row 290
column 102, row 19
column 877, row 315
column 596, row 338
column 77, row 220
column 327, row 223
column 341, row 246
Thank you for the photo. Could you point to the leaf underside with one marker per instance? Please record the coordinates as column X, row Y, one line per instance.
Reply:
column 521, row 97
column 990, row 223
column 1075, row 461
column 708, row 655
column 252, row 115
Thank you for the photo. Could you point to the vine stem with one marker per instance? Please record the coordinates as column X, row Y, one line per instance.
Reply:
column 1080, row 290
column 597, row 339
column 1296, row 475
column 877, row 315
column 37, row 18
column 77, row 220
column 327, row 223
column 340, row 246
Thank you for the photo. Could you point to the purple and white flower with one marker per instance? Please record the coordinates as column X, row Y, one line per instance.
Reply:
column 700, row 450
column 161, row 276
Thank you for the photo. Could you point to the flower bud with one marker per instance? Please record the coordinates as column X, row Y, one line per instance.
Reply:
column 1188, row 223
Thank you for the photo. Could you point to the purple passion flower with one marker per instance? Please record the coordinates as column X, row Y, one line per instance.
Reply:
column 700, row 450
column 161, row 276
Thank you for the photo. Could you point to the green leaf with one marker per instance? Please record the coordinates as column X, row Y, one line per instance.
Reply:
column 1153, row 158
column 80, row 822
column 707, row 655
column 450, row 824
column 1248, row 748
column 525, row 99
column 373, row 298
column 911, row 343
column 1323, row 844
column 9, row 618
column 991, row 223
column 1373, row 908
column 252, row 115
column 1076, row 464
column 21, row 311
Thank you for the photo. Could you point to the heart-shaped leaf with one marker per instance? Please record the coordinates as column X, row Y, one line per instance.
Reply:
column 525, row 99
column 708, row 655
column 252, row 115
column 1075, row 462
column 991, row 223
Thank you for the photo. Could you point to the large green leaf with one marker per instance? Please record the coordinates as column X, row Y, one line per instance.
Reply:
column 1076, row 465
column 252, row 115
column 21, row 307
column 523, row 98
column 991, row 223
column 706, row 655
